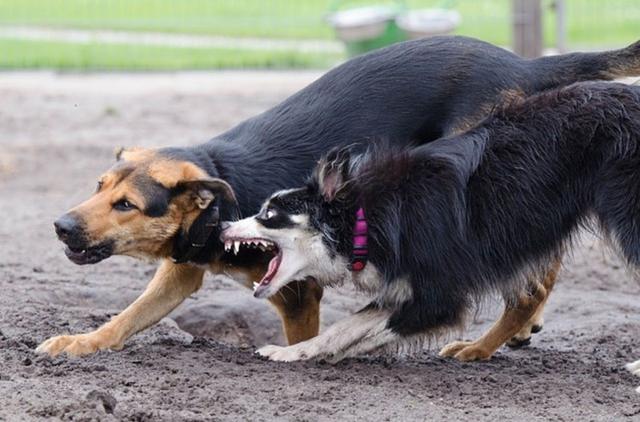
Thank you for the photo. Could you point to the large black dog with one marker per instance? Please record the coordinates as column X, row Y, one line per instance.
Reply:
column 430, row 230
column 165, row 203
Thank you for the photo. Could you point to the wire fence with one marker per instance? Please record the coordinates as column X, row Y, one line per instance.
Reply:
column 204, row 34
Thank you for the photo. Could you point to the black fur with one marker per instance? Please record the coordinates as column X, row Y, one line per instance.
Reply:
column 409, row 93
column 155, row 195
column 480, row 211
column 280, row 218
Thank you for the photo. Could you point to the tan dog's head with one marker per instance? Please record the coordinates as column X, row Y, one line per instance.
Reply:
column 143, row 205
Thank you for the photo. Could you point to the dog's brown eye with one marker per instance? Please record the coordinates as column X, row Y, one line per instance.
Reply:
column 124, row 205
column 268, row 214
column 100, row 183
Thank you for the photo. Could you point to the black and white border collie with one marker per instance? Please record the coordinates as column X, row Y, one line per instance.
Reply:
column 428, row 231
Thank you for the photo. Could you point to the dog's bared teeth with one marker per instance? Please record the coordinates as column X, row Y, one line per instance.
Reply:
column 236, row 246
column 255, row 285
column 227, row 245
column 262, row 247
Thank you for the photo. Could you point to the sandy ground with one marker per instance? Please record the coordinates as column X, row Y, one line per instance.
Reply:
column 57, row 133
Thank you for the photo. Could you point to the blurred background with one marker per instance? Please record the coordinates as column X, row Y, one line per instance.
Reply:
column 219, row 34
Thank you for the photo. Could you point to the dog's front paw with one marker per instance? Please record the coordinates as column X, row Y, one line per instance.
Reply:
column 75, row 345
column 634, row 368
column 465, row 351
column 282, row 354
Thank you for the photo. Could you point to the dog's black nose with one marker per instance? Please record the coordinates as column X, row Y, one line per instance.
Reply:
column 66, row 226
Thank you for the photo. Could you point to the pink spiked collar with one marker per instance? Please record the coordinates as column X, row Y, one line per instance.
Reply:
column 360, row 251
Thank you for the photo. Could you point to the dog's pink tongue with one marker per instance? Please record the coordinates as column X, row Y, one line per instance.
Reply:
column 271, row 271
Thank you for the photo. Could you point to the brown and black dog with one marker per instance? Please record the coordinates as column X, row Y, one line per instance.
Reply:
column 167, row 204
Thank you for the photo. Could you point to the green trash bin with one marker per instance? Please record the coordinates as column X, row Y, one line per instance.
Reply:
column 368, row 27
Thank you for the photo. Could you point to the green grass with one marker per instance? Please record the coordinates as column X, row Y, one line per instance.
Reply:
column 258, row 18
column 18, row 54
column 592, row 24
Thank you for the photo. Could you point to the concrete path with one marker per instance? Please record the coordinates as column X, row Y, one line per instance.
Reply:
column 83, row 36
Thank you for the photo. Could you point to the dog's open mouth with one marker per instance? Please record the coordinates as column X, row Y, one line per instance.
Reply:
column 266, row 250
column 89, row 255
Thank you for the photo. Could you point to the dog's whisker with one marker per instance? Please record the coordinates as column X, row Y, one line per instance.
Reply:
column 283, row 297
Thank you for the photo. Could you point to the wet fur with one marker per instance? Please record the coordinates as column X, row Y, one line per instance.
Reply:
column 474, row 213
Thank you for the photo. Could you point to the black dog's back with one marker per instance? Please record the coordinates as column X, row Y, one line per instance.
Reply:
column 409, row 93
column 424, row 89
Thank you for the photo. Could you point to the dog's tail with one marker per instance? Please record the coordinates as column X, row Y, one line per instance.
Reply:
column 566, row 69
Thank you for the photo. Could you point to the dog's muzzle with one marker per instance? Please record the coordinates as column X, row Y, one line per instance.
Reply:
column 70, row 231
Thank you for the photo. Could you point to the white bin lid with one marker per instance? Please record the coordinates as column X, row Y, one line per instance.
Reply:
column 361, row 16
column 429, row 20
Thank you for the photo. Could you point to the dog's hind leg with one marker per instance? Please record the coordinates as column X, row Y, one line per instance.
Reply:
column 170, row 286
column 512, row 321
column 535, row 323
column 298, row 305
column 634, row 368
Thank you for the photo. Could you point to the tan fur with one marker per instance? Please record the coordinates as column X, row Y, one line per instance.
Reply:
column 470, row 121
column 513, row 320
column 135, row 154
column 136, row 234
column 537, row 319
column 169, row 172
column 297, row 304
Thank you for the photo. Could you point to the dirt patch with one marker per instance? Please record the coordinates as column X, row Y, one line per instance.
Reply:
column 60, row 131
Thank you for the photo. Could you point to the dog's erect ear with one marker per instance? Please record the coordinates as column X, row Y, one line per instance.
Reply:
column 206, row 190
column 333, row 173
column 118, row 153
column 132, row 153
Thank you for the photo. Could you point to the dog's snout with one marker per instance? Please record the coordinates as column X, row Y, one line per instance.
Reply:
column 66, row 226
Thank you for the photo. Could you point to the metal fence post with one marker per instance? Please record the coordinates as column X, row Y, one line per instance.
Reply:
column 561, row 25
column 527, row 27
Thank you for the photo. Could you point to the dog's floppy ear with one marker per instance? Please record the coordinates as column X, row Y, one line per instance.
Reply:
column 206, row 190
column 217, row 203
column 332, row 173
